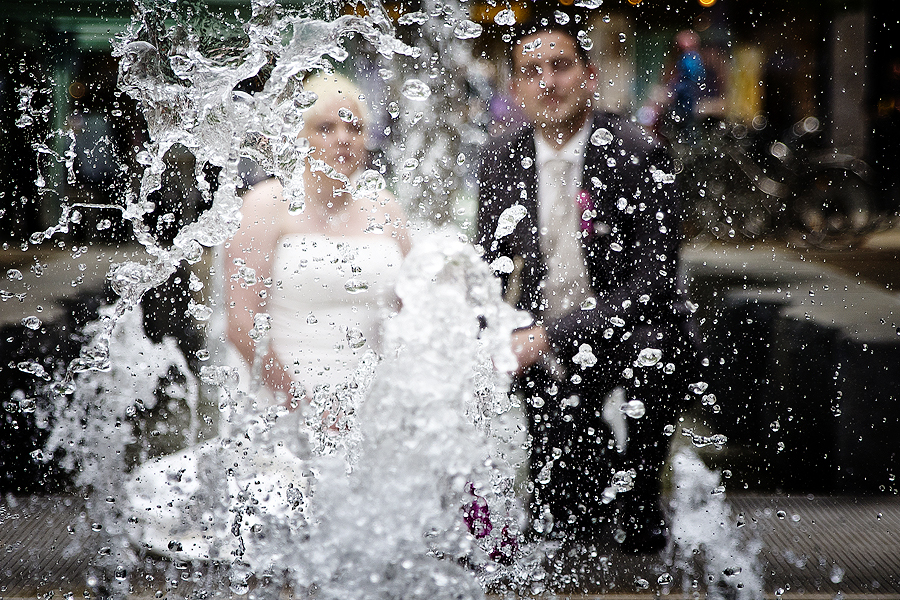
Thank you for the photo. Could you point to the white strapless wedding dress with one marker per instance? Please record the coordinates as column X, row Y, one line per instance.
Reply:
column 327, row 303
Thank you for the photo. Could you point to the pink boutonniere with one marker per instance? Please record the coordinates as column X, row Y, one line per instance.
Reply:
column 588, row 211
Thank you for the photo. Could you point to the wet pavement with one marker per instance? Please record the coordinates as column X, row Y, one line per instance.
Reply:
column 811, row 547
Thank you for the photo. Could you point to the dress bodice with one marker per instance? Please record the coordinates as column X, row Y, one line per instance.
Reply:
column 328, row 300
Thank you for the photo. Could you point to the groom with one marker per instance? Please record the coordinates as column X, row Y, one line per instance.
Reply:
column 594, row 260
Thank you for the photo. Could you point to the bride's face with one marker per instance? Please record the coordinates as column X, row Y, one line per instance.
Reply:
column 339, row 143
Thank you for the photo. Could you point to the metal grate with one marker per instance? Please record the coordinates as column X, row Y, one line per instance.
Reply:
column 814, row 548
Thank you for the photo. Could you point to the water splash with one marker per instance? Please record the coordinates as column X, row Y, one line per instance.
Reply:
column 705, row 530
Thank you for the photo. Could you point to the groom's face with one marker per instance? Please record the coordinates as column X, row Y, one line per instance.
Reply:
column 552, row 82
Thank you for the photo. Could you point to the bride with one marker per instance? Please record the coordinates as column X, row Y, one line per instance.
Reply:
column 328, row 271
column 321, row 282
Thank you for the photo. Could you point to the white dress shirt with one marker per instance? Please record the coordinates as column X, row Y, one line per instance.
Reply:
column 559, row 221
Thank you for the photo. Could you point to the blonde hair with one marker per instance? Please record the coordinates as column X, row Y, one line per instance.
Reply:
column 335, row 90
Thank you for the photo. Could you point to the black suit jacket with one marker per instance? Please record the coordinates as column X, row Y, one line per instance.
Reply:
column 631, row 246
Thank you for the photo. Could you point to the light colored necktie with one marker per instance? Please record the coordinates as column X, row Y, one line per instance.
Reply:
column 566, row 283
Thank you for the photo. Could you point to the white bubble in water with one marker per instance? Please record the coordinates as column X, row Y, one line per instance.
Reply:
column 560, row 17
column 416, row 89
column 837, row 574
column 589, row 4
column 413, row 18
column 698, row 388
column 355, row 285
column 665, row 579
column 31, row 322
column 634, row 409
column 584, row 40
column 589, row 303
column 617, row 321
column 394, row 110
column 346, row 115
column 508, row 220
column 585, row 357
column 467, row 30
column 532, row 46
column 527, row 162
column 355, row 338
column 14, row 275
column 505, row 17
column 623, row 481
column 104, row 224
column 602, row 137
column 201, row 312
column 503, row 264
column 648, row 357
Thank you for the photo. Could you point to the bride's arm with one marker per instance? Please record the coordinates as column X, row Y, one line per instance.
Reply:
column 252, row 250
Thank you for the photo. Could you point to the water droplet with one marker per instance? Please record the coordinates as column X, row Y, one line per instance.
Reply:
column 202, row 354
column 665, row 579
column 732, row 571
column 104, row 224
column 648, row 357
column 585, row 358
column 467, row 30
column 508, row 220
column 369, row 185
column 416, row 89
column 634, row 409
column 345, row 114
column 584, row 40
column 623, row 481
column 837, row 574
column 589, row 303
column 304, row 100
column 355, row 285
column 610, row 162
column 602, row 137
column 312, row 319
column 699, row 387
column 394, row 110
column 532, row 46
column 544, row 475
column 31, row 322
column 641, row 583
column 590, row 4
column 200, row 312
column 413, row 18
column 503, row 264
column 355, row 338
column 386, row 74
column 619, row 536
column 262, row 323
column 781, row 514
column 617, row 321
column 560, row 17
column 505, row 17
column 96, row 527
column 527, row 162
column 616, row 247
column 14, row 275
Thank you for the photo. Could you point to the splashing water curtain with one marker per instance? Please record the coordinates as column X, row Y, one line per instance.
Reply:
column 420, row 499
